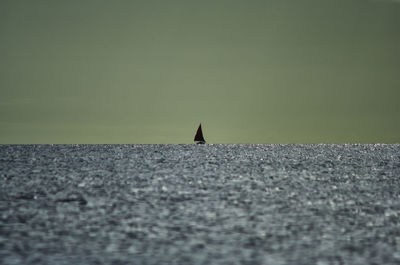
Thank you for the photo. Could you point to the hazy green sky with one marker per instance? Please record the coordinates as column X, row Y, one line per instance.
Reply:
column 263, row 71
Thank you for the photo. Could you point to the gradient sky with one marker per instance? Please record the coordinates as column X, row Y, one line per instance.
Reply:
column 125, row 71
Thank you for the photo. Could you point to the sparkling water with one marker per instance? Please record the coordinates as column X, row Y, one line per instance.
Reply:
column 200, row 204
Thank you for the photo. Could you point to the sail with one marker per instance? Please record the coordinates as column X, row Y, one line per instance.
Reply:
column 199, row 135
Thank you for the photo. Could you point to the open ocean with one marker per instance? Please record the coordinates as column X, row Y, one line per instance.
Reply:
column 200, row 204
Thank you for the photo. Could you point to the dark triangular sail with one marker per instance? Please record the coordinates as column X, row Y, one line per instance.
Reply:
column 199, row 135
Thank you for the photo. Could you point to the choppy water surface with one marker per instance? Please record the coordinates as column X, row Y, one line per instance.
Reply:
column 191, row 204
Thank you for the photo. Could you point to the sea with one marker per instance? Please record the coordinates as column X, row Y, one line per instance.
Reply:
column 200, row 204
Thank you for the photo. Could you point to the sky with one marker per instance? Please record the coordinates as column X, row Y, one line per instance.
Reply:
column 255, row 71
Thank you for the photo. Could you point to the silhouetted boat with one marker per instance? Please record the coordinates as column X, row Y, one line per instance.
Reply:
column 199, row 138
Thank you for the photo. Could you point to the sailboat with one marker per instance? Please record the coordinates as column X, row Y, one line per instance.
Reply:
column 199, row 138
